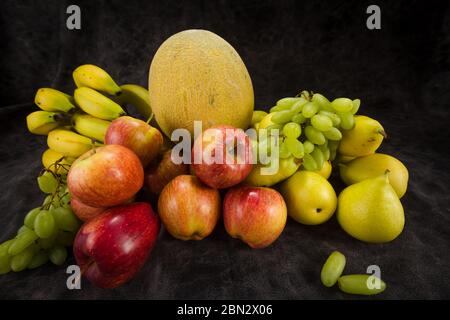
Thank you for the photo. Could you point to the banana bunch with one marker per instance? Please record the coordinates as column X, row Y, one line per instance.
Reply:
column 75, row 124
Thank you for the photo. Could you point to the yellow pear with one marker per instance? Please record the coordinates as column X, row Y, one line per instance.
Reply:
column 374, row 165
column 371, row 211
column 364, row 139
column 326, row 170
column 286, row 168
column 309, row 197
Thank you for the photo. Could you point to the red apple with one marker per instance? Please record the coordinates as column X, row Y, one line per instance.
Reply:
column 106, row 176
column 256, row 215
column 222, row 156
column 137, row 135
column 111, row 248
column 188, row 209
column 159, row 174
column 83, row 211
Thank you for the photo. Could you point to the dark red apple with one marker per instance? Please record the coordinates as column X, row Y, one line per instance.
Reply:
column 222, row 156
column 137, row 135
column 188, row 209
column 159, row 174
column 256, row 215
column 105, row 176
column 112, row 247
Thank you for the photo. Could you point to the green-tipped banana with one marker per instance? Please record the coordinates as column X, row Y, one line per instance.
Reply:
column 42, row 122
column 138, row 97
column 90, row 126
column 69, row 143
column 49, row 99
column 89, row 75
column 97, row 105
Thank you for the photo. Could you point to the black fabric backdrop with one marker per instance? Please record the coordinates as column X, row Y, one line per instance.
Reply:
column 401, row 73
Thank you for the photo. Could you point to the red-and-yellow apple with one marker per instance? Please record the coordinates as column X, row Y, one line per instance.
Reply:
column 105, row 176
column 256, row 215
column 159, row 174
column 83, row 211
column 189, row 209
column 137, row 135
column 222, row 156
column 112, row 247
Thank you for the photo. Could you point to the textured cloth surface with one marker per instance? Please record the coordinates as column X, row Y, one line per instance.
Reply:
column 401, row 73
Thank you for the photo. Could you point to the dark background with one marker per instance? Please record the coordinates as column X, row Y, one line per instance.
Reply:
column 401, row 74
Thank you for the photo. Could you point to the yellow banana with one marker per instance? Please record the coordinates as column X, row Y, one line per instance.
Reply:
column 50, row 157
column 97, row 105
column 69, row 143
column 90, row 126
column 49, row 99
column 136, row 96
column 89, row 75
column 42, row 122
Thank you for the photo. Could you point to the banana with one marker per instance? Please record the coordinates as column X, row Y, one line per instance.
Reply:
column 97, row 105
column 90, row 126
column 137, row 96
column 89, row 75
column 69, row 143
column 49, row 99
column 42, row 122
column 49, row 157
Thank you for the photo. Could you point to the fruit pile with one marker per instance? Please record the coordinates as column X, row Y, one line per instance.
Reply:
column 99, row 159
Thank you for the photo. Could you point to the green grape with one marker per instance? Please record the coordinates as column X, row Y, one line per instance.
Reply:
column 22, row 229
column 257, row 116
column 295, row 147
column 332, row 155
column 44, row 225
column 29, row 218
column 47, row 200
column 47, row 182
column 355, row 106
column 318, row 157
column 298, row 118
column 58, row 255
column 321, row 122
column 287, row 102
column 278, row 108
column 5, row 258
column 309, row 163
column 322, row 101
column 333, row 134
column 333, row 116
column 310, row 109
column 22, row 241
column 272, row 129
column 65, row 238
column 38, row 260
column 281, row 117
column 292, row 130
column 314, row 135
column 21, row 261
column 325, row 151
column 65, row 219
column 284, row 151
column 347, row 120
column 308, row 146
column 342, row 105
column 305, row 94
column 298, row 106
column 48, row 242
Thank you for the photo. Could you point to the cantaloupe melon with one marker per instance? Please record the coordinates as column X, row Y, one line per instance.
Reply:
column 197, row 75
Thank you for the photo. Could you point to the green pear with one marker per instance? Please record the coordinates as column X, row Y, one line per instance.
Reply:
column 371, row 211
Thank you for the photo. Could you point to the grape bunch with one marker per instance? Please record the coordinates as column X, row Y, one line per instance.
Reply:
column 47, row 229
column 310, row 126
